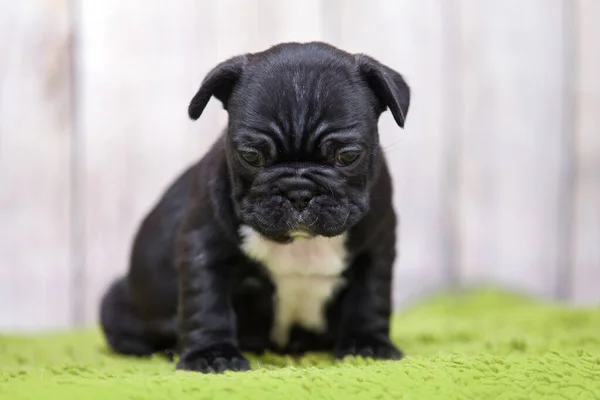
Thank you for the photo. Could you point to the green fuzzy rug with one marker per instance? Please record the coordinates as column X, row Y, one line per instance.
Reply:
column 480, row 345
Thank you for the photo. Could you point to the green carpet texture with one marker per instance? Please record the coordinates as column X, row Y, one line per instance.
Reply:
column 477, row 345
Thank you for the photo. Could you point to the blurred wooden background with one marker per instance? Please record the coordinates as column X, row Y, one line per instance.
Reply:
column 497, row 173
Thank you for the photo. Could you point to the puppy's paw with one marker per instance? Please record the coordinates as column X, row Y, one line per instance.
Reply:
column 367, row 347
column 214, row 359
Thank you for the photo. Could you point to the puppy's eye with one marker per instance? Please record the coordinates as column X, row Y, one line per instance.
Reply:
column 346, row 157
column 253, row 158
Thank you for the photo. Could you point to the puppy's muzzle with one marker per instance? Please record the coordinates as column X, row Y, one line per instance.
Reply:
column 298, row 191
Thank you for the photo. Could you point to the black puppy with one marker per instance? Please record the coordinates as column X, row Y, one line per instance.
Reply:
column 282, row 237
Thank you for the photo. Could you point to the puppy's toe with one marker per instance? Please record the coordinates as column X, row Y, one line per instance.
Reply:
column 235, row 364
column 367, row 347
column 239, row 364
column 214, row 359
column 389, row 352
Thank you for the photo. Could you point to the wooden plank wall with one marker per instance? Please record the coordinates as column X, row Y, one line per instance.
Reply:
column 496, row 175
column 585, row 230
column 512, row 106
column 35, row 162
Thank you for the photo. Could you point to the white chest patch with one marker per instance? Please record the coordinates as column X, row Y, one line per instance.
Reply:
column 305, row 272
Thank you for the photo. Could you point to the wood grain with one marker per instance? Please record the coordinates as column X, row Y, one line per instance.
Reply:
column 586, row 227
column 35, row 144
column 511, row 154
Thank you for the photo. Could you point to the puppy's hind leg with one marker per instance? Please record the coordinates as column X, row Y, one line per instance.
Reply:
column 125, row 330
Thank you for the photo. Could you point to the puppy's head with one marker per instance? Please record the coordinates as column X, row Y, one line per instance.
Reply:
column 302, row 141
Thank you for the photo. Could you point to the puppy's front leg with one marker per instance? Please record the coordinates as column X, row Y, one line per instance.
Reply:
column 364, row 323
column 207, row 323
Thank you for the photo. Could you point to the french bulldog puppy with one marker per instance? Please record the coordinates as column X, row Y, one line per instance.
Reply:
column 282, row 237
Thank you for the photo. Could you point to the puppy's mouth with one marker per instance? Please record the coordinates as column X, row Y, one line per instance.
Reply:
column 291, row 236
column 301, row 230
column 301, row 235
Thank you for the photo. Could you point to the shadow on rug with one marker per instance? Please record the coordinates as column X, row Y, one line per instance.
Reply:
column 479, row 345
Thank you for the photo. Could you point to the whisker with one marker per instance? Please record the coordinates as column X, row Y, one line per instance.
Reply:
column 346, row 219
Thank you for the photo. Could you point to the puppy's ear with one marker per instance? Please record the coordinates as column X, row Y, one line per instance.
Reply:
column 219, row 82
column 388, row 85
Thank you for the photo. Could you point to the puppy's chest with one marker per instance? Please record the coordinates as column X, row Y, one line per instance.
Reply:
column 306, row 274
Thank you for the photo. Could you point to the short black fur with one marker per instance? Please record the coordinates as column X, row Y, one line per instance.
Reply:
column 297, row 114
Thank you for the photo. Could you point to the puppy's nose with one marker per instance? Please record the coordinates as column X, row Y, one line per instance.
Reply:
column 299, row 198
